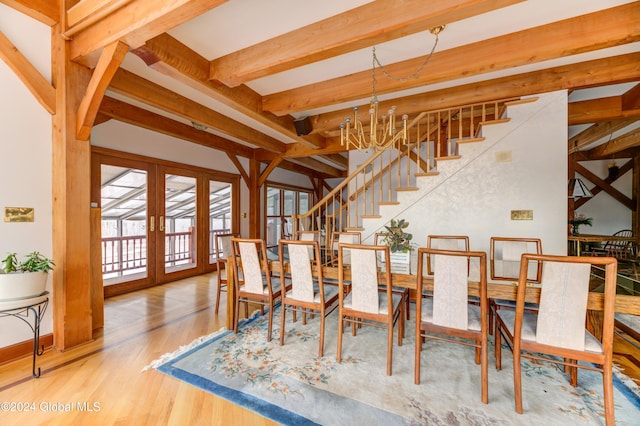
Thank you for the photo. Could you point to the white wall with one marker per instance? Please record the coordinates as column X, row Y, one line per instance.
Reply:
column 25, row 163
column 477, row 198
column 609, row 215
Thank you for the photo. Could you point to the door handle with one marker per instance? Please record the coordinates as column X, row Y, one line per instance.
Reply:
column 161, row 224
column 152, row 223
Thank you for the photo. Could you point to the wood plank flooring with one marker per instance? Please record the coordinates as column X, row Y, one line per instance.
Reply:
column 105, row 375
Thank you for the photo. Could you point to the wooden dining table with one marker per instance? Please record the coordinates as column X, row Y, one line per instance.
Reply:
column 495, row 290
column 593, row 238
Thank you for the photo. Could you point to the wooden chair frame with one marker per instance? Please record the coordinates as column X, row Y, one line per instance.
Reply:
column 222, row 264
column 534, row 350
column 246, row 297
column 495, row 305
column 475, row 339
column 325, row 305
column 395, row 314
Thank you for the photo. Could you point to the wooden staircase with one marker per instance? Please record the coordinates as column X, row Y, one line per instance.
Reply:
column 433, row 137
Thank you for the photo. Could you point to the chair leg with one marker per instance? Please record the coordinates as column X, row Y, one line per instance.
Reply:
column 517, row 380
column 283, row 316
column 416, row 366
column 607, row 382
column 236, row 315
column 390, row 344
column 573, row 373
column 218, row 293
column 484, row 369
column 321, row 348
column 492, row 315
column 407, row 305
column 498, row 346
column 340, row 327
column 270, row 320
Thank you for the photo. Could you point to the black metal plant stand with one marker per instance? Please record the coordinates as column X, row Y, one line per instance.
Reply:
column 20, row 309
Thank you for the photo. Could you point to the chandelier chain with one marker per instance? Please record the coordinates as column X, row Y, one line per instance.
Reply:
column 412, row 76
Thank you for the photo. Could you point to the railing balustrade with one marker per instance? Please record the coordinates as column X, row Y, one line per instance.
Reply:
column 129, row 253
column 431, row 136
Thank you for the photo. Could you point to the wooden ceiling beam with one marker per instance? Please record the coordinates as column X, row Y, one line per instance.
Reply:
column 319, row 166
column 110, row 60
column 607, row 187
column 142, row 90
column 45, row 11
column 170, row 57
column 611, row 27
column 602, row 109
column 631, row 98
column 596, row 132
column 140, row 117
column 611, row 70
column 628, row 140
column 39, row 87
column 346, row 32
column 134, row 23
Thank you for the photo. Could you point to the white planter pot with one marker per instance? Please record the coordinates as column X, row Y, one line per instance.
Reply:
column 22, row 285
column 400, row 262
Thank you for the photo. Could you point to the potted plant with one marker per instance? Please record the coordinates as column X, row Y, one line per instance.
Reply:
column 578, row 220
column 399, row 243
column 26, row 279
column 396, row 238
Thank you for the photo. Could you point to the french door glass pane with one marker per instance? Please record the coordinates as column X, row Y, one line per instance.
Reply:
column 180, row 223
column 220, row 213
column 124, row 219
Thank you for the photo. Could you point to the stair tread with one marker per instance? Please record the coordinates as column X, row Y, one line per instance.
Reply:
column 427, row 174
column 498, row 121
column 408, row 188
column 389, row 203
column 371, row 216
column 521, row 101
column 450, row 157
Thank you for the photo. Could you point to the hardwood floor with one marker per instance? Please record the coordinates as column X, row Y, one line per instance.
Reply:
column 106, row 373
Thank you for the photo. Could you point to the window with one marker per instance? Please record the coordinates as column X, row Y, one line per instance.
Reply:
column 282, row 203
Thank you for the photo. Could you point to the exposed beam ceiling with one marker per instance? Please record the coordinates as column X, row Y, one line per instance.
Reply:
column 246, row 70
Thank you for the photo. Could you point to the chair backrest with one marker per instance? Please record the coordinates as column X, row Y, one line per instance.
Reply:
column 338, row 238
column 620, row 249
column 563, row 298
column 344, row 237
column 250, row 257
column 364, row 275
column 223, row 245
column 301, row 268
column 451, row 284
column 445, row 242
column 310, row 236
column 505, row 255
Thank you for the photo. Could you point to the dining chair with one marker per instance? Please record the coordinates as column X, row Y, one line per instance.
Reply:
column 378, row 239
column 365, row 304
column 253, row 281
column 306, row 293
column 445, row 242
column 447, row 314
column 504, row 261
column 223, row 252
column 348, row 237
column 558, row 329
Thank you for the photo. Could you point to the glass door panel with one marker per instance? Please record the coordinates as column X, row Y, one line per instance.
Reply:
column 220, row 214
column 123, row 196
column 179, row 223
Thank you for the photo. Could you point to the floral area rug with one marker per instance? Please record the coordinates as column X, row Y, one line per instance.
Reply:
column 290, row 384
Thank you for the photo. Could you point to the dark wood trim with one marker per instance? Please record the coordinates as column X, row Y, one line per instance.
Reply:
column 23, row 349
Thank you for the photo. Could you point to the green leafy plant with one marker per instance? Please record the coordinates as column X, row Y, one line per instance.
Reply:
column 578, row 220
column 396, row 238
column 33, row 262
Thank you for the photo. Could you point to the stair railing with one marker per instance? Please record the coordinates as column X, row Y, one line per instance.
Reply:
column 432, row 136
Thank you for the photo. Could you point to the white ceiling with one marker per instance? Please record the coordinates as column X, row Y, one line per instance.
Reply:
column 237, row 24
